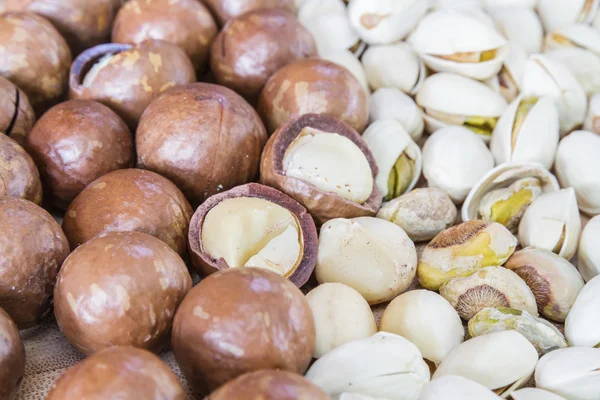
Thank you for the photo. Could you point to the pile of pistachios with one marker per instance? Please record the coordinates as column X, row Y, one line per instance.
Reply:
column 485, row 127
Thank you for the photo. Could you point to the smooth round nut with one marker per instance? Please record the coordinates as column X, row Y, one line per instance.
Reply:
column 16, row 114
column 241, row 320
column 118, row 372
column 19, row 177
column 75, row 143
column 12, row 357
column 129, row 200
column 33, row 248
column 224, row 10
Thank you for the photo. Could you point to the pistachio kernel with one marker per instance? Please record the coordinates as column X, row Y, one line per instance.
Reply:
column 401, row 176
column 471, row 57
column 481, row 125
column 525, row 106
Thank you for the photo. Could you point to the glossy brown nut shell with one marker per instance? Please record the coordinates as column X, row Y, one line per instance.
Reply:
column 133, row 78
column 118, row 373
column 12, row 357
column 186, row 23
column 204, row 137
column 241, row 320
column 19, row 177
column 35, row 57
column 224, row 10
column 16, row 114
column 130, row 200
column 313, row 86
column 206, row 265
column 32, row 248
column 75, row 143
column 322, row 205
column 83, row 23
column 236, row 61
column 122, row 288
column 269, row 384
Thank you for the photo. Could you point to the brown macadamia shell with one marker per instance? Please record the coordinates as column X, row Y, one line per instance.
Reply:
column 322, row 205
column 121, row 288
column 16, row 114
column 129, row 200
column 35, row 57
column 33, row 247
column 241, row 320
column 118, row 372
column 12, row 357
column 269, row 384
column 313, row 86
column 75, row 143
column 252, row 47
column 224, row 10
column 133, row 77
column 19, row 177
column 205, row 264
column 186, row 23
column 204, row 137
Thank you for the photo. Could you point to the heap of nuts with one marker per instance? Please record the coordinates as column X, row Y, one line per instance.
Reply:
column 375, row 200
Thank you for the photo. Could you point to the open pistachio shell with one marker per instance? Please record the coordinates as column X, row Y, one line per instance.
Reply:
column 510, row 77
column 582, row 326
column 491, row 5
column 455, row 4
column 535, row 394
column 454, row 387
column 557, row 13
column 592, row 121
column 520, row 25
column 583, row 64
column 588, row 262
column 575, row 35
column 390, row 103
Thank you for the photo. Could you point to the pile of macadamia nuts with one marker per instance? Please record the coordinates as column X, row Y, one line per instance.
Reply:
column 302, row 199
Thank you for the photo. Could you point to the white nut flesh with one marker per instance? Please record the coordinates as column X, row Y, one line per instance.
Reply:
column 330, row 162
column 454, row 387
column 253, row 232
column 582, row 327
column 394, row 66
column 390, row 103
column 588, row 261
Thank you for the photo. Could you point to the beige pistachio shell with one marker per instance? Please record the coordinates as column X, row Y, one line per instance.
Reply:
column 394, row 66
column 492, row 5
column 454, row 387
column 391, row 103
column 535, row 394
column 588, row 261
column 520, row 25
column 557, row 13
column 583, row 64
column 510, row 77
column 592, row 120
column 582, row 326
column 574, row 35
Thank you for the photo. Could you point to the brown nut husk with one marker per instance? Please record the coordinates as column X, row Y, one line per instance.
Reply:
column 76, row 142
column 19, row 177
column 253, row 46
column 204, row 137
column 120, row 289
column 33, row 248
column 322, row 205
column 118, row 372
column 129, row 200
column 242, row 224
column 186, row 23
column 224, row 10
column 12, row 357
column 313, row 86
column 35, row 57
column 241, row 320
column 16, row 114
column 127, row 78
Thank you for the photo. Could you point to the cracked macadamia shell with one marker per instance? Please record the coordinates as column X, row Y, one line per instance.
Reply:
column 253, row 46
column 313, row 86
column 127, row 78
column 373, row 256
column 186, row 23
column 19, row 177
column 76, row 142
column 16, row 114
column 224, row 10
column 12, row 357
column 122, row 288
column 241, row 320
column 258, row 212
column 204, row 137
column 129, row 200
column 119, row 372
column 33, row 248
column 35, row 57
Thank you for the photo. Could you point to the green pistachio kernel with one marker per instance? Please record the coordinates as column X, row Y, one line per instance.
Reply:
column 481, row 125
column 523, row 110
column 401, row 176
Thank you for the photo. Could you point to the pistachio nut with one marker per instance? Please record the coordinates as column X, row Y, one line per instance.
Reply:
column 454, row 160
column 383, row 366
column 422, row 213
column 501, row 361
column 504, row 193
column 371, row 255
column 394, row 66
column 545, row 77
column 555, row 282
column 488, row 287
column 520, row 25
column 348, row 60
column 450, row 99
column 573, row 373
column 582, row 327
column 510, row 77
column 577, row 164
column 583, row 64
column 390, row 103
column 492, row 5
column 542, row 334
column 385, row 21
column 575, row 35
column 351, row 396
column 462, row 250
column 398, row 157
column 427, row 320
column 341, row 316
column 588, row 261
column 454, row 387
column 527, row 132
column 557, row 13
column 535, row 394
column 592, row 121
column 455, row 4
